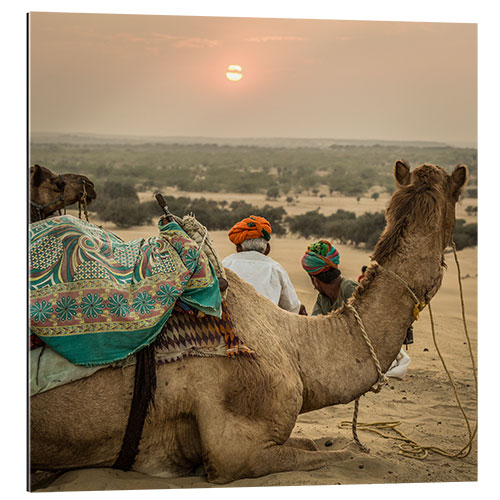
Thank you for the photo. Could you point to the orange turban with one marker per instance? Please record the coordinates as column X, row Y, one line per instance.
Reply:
column 250, row 228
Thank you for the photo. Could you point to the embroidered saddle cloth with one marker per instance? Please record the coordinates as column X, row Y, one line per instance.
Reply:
column 187, row 333
column 96, row 299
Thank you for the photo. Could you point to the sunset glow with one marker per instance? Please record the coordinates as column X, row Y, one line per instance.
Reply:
column 306, row 71
column 234, row 73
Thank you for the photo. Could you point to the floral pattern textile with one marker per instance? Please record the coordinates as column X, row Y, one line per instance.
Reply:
column 96, row 299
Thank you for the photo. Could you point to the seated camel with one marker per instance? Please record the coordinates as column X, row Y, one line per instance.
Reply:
column 50, row 192
column 235, row 416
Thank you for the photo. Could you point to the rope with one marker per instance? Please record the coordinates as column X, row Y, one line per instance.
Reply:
column 377, row 387
column 410, row 448
column 354, row 427
column 419, row 305
column 82, row 201
column 382, row 379
column 203, row 239
column 474, row 369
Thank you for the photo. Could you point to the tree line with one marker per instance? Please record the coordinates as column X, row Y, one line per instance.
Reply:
column 119, row 203
column 345, row 169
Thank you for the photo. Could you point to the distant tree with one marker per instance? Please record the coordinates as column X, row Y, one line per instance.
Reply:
column 471, row 210
column 273, row 193
column 315, row 191
column 124, row 213
column 465, row 235
column 375, row 196
column 289, row 199
column 368, row 228
column 114, row 190
column 309, row 224
column 472, row 192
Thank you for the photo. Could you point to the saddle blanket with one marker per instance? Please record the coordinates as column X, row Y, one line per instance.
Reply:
column 96, row 299
column 186, row 333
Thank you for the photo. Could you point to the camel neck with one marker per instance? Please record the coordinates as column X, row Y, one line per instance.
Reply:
column 335, row 363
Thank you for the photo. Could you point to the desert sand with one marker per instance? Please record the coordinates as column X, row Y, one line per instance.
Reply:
column 423, row 401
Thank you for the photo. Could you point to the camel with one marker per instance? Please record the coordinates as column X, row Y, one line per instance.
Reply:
column 235, row 416
column 50, row 192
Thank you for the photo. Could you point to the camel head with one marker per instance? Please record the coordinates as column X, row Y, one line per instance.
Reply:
column 50, row 192
column 421, row 213
column 46, row 192
column 434, row 194
column 77, row 187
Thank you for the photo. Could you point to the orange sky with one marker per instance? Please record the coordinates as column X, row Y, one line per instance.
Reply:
column 165, row 76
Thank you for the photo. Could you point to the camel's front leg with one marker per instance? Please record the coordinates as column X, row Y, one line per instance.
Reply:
column 302, row 443
column 274, row 458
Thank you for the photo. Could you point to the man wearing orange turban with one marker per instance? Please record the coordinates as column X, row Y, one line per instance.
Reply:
column 252, row 263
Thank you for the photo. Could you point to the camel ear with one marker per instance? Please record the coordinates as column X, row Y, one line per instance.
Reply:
column 458, row 179
column 401, row 173
column 36, row 175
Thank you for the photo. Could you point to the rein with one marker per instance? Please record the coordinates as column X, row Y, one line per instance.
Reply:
column 83, row 202
column 382, row 379
column 409, row 447
column 39, row 207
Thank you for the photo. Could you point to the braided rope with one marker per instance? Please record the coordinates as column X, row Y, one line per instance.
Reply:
column 354, row 428
column 203, row 239
column 410, row 448
column 419, row 305
column 377, row 387
column 382, row 379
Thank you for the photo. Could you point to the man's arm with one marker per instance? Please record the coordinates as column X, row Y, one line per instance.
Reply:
column 288, row 297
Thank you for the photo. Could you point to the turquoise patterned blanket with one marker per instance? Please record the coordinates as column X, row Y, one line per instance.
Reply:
column 96, row 299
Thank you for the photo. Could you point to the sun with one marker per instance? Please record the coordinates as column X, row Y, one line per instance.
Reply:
column 234, row 73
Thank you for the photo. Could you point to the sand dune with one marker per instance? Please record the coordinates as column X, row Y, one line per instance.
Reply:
column 423, row 402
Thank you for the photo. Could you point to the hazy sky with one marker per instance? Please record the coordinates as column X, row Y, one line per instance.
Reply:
column 165, row 75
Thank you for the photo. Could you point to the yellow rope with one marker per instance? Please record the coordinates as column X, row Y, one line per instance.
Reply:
column 409, row 447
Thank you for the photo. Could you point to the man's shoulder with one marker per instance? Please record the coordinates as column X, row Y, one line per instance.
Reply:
column 347, row 287
column 247, row 256
column 274, row 262
column 346, row 282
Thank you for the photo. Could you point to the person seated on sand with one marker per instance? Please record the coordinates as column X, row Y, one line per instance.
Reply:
column 321, row 261
column 252, row 263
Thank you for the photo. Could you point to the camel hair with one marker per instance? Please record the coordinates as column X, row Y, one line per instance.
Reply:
column 235, row 416
column 50, row 192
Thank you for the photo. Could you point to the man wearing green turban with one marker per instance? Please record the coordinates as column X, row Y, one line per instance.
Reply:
column 321, row 262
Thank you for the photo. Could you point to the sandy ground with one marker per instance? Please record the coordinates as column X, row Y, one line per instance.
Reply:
column 423, row 401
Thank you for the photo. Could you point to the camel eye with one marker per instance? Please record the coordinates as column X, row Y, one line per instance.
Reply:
column 60, row 184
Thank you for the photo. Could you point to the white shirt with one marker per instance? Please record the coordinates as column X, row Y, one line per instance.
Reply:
column 267, row 276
